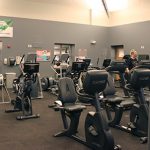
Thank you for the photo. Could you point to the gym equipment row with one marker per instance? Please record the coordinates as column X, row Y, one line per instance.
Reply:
column 97, row 133
column 119, row 104
column 138, row 124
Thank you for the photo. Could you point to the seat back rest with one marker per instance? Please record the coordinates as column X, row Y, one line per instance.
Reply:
column 119, row 66
column 95, row 81
column 110, row 88
column 140, row 78
column 144, row 64
column 66, row 89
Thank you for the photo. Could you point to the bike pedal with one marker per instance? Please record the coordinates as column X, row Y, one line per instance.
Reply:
column 131, row 125
column 92, row 131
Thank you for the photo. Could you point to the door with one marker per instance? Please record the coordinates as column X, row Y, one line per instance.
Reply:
column 117, row 54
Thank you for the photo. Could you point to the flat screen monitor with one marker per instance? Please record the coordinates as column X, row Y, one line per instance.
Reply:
column 78, row 66
column 64, row 57
column 119, row 66
column 106, row 62
column 87, row 62
column 31, row 68
column 143, row 57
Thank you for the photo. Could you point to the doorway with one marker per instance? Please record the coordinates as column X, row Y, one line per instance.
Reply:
column 117, row 53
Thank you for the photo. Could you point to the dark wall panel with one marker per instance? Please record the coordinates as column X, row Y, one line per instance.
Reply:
column 46, row 33
column 131, row 36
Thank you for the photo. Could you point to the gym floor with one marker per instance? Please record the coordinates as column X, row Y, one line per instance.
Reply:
column 37, row 134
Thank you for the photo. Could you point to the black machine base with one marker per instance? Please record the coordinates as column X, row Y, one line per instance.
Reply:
column 12, row 110
column 82, row 141
column 22, row 117
column 28, row 117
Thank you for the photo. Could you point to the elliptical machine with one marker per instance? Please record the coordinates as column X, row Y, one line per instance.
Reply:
column 97, row 133
column 138, row 125
column 23, row 100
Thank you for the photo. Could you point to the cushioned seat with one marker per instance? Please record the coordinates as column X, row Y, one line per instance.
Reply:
column 114, row 100
column 74, row 107
column 128, row 103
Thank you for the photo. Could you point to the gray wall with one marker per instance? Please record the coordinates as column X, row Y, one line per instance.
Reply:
column 131, row 36
column 46, row 33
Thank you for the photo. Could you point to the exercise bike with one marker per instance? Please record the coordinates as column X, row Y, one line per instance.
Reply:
column 97, row 133
column 138, row 125
column 23, row 100
column 119, row 67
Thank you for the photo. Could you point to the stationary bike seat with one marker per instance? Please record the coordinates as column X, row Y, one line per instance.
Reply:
column 74, row 107
column 114, row 100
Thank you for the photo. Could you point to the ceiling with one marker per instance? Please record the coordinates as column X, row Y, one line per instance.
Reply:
column 88, row 4
column 78, row 3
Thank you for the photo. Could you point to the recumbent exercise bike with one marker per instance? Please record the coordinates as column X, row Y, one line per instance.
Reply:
column 97, row 133
column 138, row 125
column 119, row 67
column 23, row 100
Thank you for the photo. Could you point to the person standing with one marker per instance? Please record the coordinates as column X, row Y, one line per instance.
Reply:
column 132, row 61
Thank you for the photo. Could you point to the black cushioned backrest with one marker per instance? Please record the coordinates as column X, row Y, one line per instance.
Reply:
column 117, row 66
column 140, row 78
column 95, row 81
column 110, row 88
column 67, row 93
column 144, row 64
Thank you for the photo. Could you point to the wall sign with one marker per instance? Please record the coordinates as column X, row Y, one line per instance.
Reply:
column 6, row 28
column 43, row 55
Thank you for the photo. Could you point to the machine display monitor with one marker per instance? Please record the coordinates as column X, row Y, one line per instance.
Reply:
column 78, row 66
column 31, row 68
